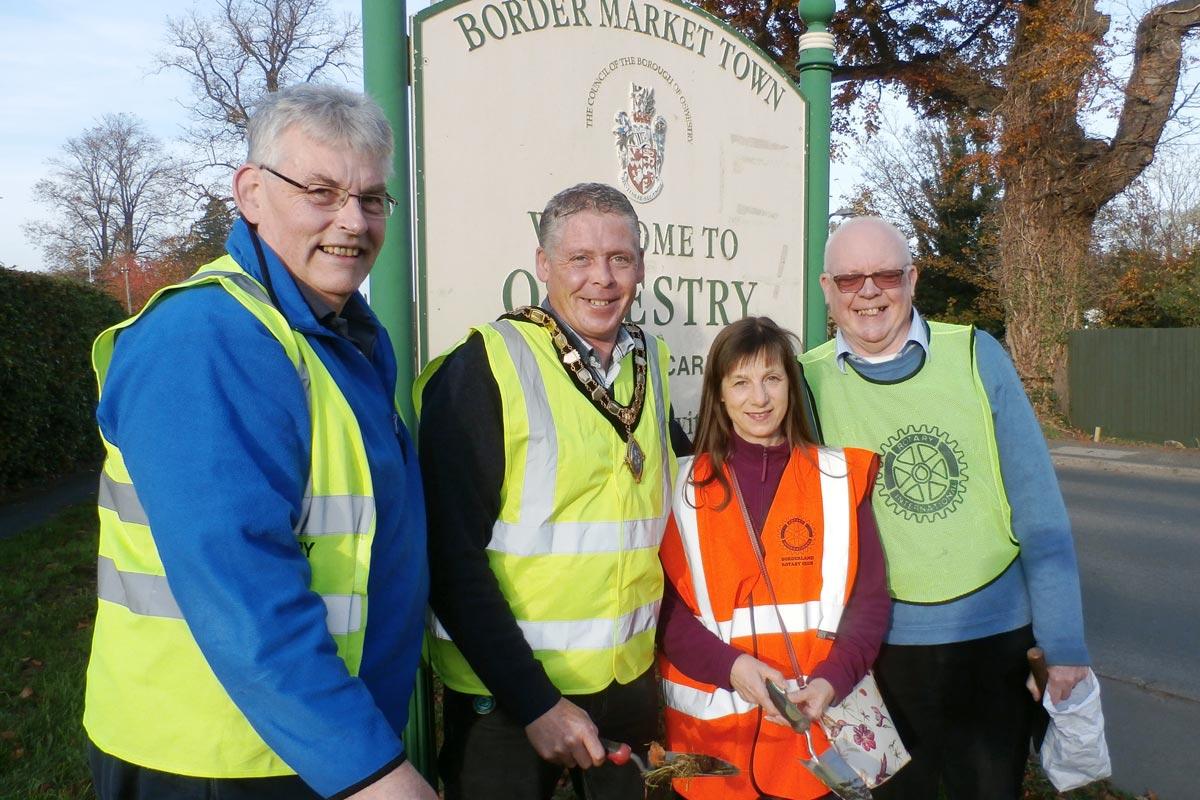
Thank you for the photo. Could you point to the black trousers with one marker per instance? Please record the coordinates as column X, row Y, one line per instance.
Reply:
column 115, row 779
column 964, row 714
column 486, row 756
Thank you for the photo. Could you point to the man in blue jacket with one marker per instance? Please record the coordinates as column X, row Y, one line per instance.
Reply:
column 260, row 495
column 974, row 531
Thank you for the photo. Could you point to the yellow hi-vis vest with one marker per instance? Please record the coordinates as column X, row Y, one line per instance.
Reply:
column 943, row 515
column 151, row 697
column 575, row 547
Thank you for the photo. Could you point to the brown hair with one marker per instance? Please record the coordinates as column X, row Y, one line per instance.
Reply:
column 746, row 339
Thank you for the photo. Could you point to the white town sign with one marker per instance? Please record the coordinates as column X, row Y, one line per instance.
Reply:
column 517, row 99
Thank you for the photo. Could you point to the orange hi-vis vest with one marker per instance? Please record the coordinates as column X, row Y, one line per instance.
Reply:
column 810, row 548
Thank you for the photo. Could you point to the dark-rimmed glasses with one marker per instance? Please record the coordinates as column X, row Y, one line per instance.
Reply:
column 332, row 198
column 853, row 281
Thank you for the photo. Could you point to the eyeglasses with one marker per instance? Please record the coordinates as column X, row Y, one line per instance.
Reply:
column 853, row 281
column 332, row 198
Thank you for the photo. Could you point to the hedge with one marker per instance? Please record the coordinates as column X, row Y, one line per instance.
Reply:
column 47, row 388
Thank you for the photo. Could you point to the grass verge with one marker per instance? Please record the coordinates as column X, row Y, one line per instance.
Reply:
column 48, row 591
column 47, row 586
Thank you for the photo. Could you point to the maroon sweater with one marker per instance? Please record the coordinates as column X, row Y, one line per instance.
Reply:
column 702, row 656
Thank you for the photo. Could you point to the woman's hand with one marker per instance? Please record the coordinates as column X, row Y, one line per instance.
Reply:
column 749, row 676
column 814, row 698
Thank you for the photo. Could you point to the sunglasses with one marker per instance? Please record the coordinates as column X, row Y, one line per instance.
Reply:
column 883, row 279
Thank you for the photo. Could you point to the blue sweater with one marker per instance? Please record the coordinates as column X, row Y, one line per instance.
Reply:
column 1042, row 585
column 211, row 418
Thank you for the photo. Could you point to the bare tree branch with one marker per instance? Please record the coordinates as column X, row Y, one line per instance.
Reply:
column 114, row 192
column 247, row 49
column 1149, row 98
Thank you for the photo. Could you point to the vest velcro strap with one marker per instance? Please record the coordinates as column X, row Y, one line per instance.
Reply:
column 579, row 634
column 797, row 618
column 336, row 514
column 143, row 594
column 575, row 538
column 122, row 499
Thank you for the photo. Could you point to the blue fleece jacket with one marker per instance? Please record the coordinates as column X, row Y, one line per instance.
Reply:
column 211, row 418
column 1042, row 585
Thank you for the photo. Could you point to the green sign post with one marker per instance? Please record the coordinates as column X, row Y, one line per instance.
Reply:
column 385, row 62
column 816, row 67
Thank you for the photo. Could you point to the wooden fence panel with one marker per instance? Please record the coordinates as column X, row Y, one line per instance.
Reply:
column 1137, row 383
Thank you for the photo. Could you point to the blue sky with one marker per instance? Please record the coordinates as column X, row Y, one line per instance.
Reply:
column 63, row 64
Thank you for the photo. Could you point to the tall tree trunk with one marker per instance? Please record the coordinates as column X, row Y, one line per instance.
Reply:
column 1046, row 222
column 1043, row 255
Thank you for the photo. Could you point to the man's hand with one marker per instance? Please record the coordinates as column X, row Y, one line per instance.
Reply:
column 814, row 698
column 1059, row 682
column 566, row 735
column 402, row 783
column 749, row 676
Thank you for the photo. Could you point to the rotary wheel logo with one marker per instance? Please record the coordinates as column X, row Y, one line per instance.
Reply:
column 796, row 534
column 924, row 473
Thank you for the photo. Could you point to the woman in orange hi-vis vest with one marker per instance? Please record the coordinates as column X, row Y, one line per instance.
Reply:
column 774, row 572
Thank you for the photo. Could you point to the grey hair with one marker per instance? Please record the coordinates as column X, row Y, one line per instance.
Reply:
column 598, row 197
column 850, row 226
column 330, row 115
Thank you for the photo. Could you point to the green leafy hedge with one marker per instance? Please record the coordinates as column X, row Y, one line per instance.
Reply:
column 47, row 388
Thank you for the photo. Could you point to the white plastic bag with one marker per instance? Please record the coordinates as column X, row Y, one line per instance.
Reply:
column 1074, row 752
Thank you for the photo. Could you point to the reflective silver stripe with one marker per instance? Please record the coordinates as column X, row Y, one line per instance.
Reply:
column 320, row 516
column 306, row 382
column 144, row 594
column 336, row 514
column 580, row 634
column 661, row 411
column 797, row 618
column 707, row 705
column 343, row 613
column 541, row 454
column 121, row 498
column 835, row 551
column 150, row 596
column 683, row 504
column 574, row 538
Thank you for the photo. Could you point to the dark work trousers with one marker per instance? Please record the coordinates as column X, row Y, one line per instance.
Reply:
column 115, row 779
column 486, row 756
column 964, row 714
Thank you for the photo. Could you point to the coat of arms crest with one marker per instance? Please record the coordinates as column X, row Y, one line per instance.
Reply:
column 641, row 143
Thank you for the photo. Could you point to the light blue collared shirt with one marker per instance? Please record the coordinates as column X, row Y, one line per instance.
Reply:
column 590, row 357
column 918, row 336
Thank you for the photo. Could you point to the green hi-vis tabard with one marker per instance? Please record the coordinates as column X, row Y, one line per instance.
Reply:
column 151, row 697
column 575, row 547
column 939, row 500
